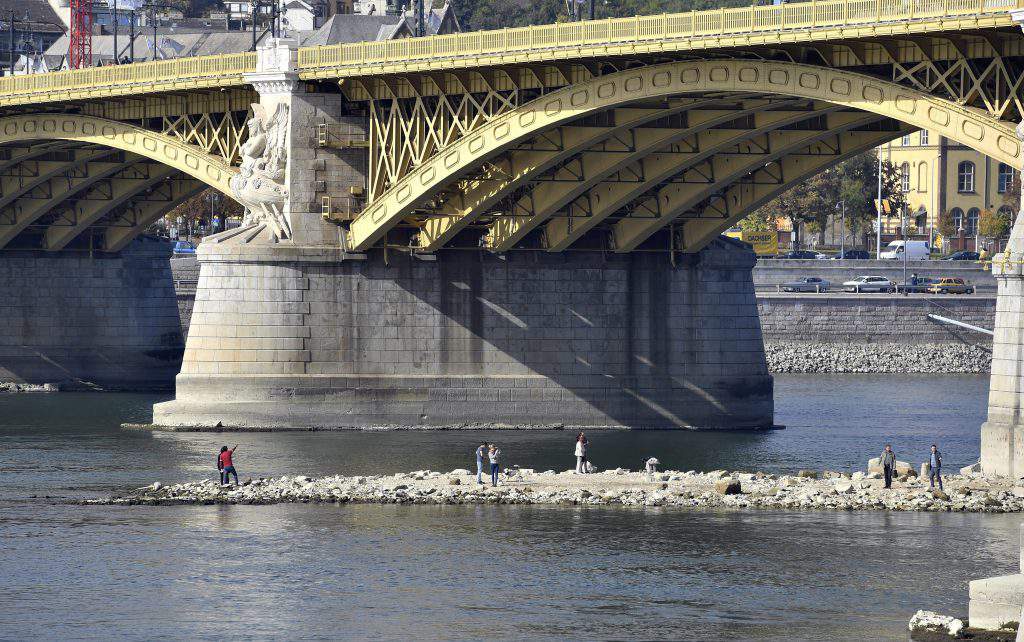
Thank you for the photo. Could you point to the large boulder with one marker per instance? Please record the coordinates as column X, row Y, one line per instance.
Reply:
column 728, row 487
column 902, row 467
column 972, row 469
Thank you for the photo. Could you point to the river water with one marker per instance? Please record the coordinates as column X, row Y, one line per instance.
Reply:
column 472, row 572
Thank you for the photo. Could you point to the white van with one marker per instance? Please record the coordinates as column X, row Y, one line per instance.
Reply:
column 916, row 250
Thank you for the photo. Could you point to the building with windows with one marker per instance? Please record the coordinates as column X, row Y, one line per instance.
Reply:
column 939, row 175
column 35, row 28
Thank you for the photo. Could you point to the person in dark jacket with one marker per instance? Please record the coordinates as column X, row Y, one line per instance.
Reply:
column 888, row 461
column 935, row 473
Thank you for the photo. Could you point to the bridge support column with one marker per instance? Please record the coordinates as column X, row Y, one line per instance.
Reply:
column 1002, row 436
column 289, row 336
column 107, row 321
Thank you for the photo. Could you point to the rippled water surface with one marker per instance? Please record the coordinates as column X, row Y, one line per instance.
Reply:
column 329, row 572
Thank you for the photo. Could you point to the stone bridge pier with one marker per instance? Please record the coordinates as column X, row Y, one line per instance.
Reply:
column 291, row 330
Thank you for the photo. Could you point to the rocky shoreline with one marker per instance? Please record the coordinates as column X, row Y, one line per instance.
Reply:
column 14, row 387
column 970, row 492
column 942, row 358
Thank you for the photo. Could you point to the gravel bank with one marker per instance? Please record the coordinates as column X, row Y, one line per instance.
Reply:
column 945, row 358
column 833, row 491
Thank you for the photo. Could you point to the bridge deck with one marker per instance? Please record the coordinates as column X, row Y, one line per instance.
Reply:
column 693, row 31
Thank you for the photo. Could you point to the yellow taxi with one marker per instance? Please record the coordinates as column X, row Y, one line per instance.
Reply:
column 950, row 285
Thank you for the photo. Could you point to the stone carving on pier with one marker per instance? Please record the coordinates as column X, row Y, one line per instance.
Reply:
column 259, row 185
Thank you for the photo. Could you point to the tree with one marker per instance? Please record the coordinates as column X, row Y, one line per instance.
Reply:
column 994, row 225
column 760, row 220
column 947, row 225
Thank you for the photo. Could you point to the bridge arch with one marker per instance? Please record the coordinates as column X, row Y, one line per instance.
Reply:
column 885, row 99
column 127, row 137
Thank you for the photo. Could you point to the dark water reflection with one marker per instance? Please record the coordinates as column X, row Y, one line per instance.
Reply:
column 329, row 572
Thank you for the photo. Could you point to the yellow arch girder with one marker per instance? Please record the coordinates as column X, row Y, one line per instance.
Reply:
column 962, row 124
column 26, row 211
column 742, row 198
column 724, row 167
column 204, row 167
column 88, row 211
column 146, row 212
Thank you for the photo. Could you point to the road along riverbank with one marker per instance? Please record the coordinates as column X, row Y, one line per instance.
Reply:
column 827, row 491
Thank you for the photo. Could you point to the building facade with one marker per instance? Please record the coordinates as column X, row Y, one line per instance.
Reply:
column 938, row 175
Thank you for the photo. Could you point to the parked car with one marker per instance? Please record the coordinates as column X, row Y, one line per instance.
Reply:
column 916, row 250
column 821, row 255
column 870, row 284
column 799, row 254
column 951, row 285
column 962, row 256
column 853, row 254
column 184, row 248
column 806, row 284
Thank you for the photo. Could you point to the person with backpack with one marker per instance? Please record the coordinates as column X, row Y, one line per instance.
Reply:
column 226, row 466
column 581, row 453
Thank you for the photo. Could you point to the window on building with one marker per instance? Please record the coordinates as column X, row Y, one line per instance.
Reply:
column 1007, row 211
column 965, row 177
column 924, row 136
column 905, row 141
column 922, row 177
column 958, row 218
column 1005, row 178
column 971, row 227
column 905, row 177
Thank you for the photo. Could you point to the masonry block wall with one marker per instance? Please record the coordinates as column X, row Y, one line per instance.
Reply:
column 873, row 318
column 109, row 321
column 315, row 171
column 476, row 339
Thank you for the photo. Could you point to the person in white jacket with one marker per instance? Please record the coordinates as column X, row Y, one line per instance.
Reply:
column 581, row 453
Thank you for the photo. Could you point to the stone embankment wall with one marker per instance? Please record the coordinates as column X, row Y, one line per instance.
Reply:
column 875, row 333
column 106, row 321
column 833, row 332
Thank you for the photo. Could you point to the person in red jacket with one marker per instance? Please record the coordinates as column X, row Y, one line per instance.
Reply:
column 226, row 466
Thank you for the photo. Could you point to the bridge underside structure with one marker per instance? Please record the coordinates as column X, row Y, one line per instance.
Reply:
column 600, row 149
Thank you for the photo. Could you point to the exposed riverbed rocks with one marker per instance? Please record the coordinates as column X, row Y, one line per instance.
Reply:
column 830, row 491
column 942, row 358
column 12, row 386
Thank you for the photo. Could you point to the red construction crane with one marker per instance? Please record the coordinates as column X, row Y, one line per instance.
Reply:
column 80, row 44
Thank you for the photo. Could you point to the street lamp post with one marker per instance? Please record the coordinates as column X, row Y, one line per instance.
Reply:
column 10, row 26
column 842, row 230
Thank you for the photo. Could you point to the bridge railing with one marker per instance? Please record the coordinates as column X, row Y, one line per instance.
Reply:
column 227, row 69
column 641, row 29
column 162, row 71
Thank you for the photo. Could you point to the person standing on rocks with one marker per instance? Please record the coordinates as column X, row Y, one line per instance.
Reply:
column 581, row 453
column 494, row 456
column 481, row 453
column 935, row 471
column 227, row 467
column 888, row 462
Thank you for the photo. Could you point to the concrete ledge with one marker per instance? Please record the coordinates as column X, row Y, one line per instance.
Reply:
column 996, row 601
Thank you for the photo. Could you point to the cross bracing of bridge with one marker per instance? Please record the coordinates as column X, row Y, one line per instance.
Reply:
column 616, row 134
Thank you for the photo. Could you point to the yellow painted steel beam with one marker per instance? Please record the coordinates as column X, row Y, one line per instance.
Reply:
column 29, row 152
column 968, row 126
column 698, row 232
column 26, row 211
column 522, row 166
column 656, row 166
column 146, row 212
column 212, row 170
column 609, row 198
column 518, row 166
column 16, row 186
column 90, row 209
column 547, row 198
column 674, row 200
